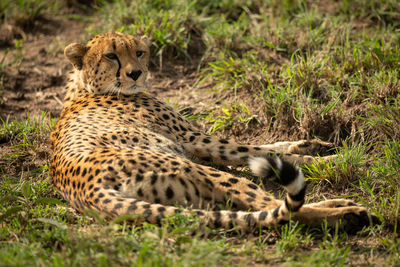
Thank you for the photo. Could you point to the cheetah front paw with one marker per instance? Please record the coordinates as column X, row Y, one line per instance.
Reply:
column 312, row 147
column 333, row 203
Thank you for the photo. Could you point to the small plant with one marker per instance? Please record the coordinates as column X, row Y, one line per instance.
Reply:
column 342, row 172
column 291, row 238
column 238, row 114
column 26, row 131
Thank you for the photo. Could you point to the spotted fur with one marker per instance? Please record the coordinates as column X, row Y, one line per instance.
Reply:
column 119, row 151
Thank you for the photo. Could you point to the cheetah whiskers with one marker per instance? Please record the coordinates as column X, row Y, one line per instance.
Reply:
column 112, row 89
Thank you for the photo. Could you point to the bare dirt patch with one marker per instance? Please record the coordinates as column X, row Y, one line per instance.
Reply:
column 36, row 84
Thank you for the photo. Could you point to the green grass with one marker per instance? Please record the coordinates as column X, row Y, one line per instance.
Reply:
column 24, row 12
column 277, row 70
column 38, row 228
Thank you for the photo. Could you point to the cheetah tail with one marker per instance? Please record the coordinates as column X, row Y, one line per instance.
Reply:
column 286, row 174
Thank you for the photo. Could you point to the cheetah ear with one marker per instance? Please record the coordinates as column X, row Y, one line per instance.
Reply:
column 146, row 40
column 74, row 53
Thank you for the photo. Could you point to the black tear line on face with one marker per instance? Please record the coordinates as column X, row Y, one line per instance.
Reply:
column 118, row 84
column 118, row 74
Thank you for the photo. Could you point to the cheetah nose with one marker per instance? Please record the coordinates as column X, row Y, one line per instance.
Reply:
column 134, row 74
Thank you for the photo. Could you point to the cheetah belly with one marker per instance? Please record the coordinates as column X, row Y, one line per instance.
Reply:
column 159, row 142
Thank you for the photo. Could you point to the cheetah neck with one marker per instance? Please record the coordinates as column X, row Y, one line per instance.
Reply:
column 75, row 86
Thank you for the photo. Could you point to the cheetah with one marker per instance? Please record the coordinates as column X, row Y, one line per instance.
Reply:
column 118, row 150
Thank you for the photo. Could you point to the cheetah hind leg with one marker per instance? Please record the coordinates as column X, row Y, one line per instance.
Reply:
column 351, row 219
column 290, row 177
column 349, row 216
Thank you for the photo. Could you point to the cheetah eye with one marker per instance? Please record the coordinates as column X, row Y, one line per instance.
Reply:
column 111, row 56
column 139, row 53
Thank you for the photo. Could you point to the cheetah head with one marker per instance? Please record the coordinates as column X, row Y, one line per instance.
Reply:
column 111, row 63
